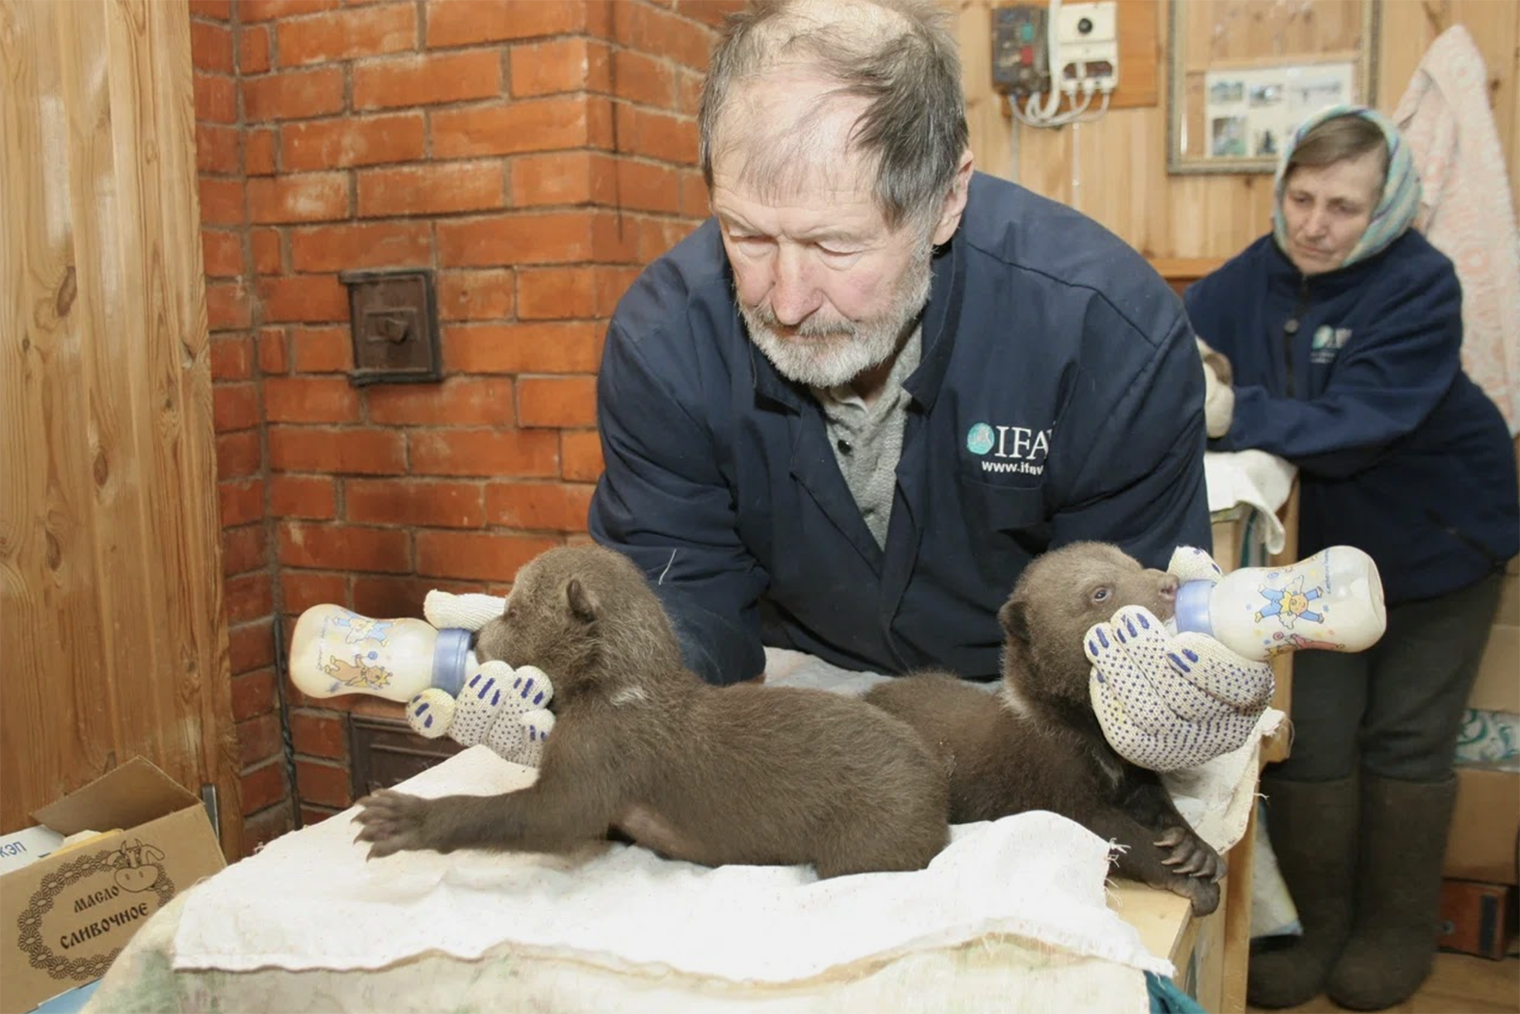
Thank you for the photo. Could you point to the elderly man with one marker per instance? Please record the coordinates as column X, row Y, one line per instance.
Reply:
column 845, row 413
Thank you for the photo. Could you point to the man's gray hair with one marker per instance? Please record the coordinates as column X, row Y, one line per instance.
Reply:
column 900, row 58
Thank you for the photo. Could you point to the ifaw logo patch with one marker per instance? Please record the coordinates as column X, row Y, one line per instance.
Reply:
column 1327, row 343
column 1009, row 448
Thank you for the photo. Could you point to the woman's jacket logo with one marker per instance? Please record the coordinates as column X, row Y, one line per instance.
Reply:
column 1327, row 342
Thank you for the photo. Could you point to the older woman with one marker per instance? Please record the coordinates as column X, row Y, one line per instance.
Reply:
column 1344, row 327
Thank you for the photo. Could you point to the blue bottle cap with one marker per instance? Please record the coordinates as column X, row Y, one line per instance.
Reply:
column 449, row 655
column 1193, row 607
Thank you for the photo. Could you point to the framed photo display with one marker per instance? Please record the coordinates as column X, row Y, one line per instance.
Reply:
column 1245, row 73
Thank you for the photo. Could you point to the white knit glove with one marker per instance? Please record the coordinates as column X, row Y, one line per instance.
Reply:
column 506, row 709
column 1166, row 701
column 1218, row 395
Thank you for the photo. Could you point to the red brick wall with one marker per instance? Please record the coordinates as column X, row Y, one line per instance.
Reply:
column 247, row 560
column 534, row 155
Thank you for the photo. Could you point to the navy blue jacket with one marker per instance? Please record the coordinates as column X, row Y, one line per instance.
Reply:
column 1059, row 398
column 1400, row 453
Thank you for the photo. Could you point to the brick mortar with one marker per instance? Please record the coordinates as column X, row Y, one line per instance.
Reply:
column 606, row 248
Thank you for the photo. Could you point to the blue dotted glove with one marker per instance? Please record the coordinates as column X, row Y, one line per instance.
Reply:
column 506, row 709
column 1171, row 701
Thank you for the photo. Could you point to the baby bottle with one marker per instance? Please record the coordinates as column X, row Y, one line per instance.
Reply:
column 336, row 651
column 1333, row 601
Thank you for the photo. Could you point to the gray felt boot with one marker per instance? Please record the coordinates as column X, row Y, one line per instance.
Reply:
column 1398, row 892
column 1313, row 831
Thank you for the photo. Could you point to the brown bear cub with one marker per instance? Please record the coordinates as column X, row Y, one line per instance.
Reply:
column 741, row 774
column 1037, row 745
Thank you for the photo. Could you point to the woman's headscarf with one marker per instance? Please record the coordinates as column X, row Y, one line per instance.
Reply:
column 1400, row 202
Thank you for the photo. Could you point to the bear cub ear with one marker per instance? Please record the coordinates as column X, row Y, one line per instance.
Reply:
column 580, row 600
column 1014, row 617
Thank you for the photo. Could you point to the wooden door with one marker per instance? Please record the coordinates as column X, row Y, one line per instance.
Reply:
column 114, row 635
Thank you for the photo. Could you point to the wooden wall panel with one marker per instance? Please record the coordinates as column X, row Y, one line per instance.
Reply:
column 1115, row 169
column 115, row 634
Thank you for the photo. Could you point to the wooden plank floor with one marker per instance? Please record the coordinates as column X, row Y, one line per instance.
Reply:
column 1459, row 984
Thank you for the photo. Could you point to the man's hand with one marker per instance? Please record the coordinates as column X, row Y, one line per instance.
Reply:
column 1165, row 701
column 506, row 709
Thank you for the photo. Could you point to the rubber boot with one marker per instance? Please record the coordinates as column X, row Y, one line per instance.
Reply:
column 1313, row 832
column 1398, row 892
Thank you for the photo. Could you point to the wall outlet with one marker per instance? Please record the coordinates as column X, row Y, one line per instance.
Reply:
column 1088, row 33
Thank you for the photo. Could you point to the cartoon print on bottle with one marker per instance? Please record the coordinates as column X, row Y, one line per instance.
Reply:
column 1298, row 642
column 361, row 673
column 1290, row 602
column 361, row 628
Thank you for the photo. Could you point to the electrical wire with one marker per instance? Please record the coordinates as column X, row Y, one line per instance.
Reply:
column 1053, row 62
column 1077, row 114
column 1046, row 114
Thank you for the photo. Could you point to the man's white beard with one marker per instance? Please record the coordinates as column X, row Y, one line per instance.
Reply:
column 828, row 353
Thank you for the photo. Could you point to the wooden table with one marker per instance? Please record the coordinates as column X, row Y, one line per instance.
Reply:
column 1211, row 953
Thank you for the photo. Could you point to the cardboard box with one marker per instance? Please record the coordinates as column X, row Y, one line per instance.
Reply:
column 1509, row 598
column 25, row 847
column 65, row 917
column 1477, row 918
column 1485, row 827
column 1497, row 685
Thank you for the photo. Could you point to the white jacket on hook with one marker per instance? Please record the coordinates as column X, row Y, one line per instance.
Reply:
column 1467, row 212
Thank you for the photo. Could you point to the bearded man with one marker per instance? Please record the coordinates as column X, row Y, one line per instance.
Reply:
column 845, row 413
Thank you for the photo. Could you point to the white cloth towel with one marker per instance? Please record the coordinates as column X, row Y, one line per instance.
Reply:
column 1216, row 798
column 1257, row 479
column 310, row 900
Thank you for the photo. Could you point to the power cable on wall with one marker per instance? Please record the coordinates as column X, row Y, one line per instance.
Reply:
column 1077, row 88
